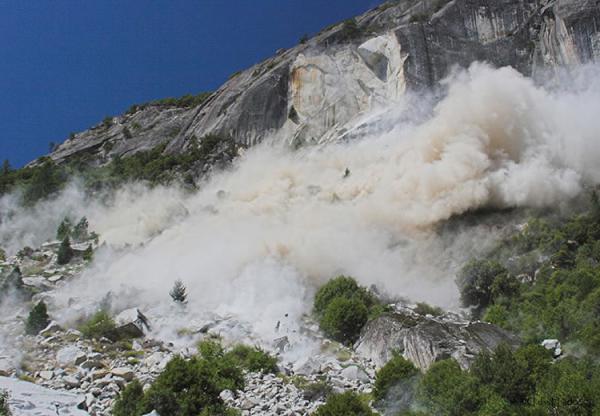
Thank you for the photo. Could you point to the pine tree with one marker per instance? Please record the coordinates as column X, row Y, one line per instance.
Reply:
column 64, row 229
column 178, row 292
column 38, row 319
column 80, row 231
column 65, row 252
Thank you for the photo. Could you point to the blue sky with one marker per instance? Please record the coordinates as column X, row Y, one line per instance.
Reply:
column 65, row 65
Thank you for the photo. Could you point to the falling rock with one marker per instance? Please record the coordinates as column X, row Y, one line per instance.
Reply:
column 131, row 323
column 152, row 413
column 425, row 340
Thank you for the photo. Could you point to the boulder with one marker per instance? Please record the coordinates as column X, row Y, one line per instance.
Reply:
column 50, row 329
column 354, row 372
column 123, row 372
column 70, row 355
column 554, row 346
column 46, row 374
column 131, row 323
column 306, row 366
column 425, row 340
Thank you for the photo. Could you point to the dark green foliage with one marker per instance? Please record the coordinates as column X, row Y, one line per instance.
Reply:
column 563, row 301
column 523, row 382
column 129, row 401
column 38, row 319
column 192, row 387
column 477, row 281
column 304, row 39
column 426, row 309
column 4, row 408
column 65, row 252
column 343, row 319
column 99, row 325
column 252, row 359
column 45, row 181
column 107, row 121
column 344, row 287
column 448, row 391
column 343, row 308
column 80, row 231
column 397, row 371
column 345, row 404
column 177, row 293
column 64, row 229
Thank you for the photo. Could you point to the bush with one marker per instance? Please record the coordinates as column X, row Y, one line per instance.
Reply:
column 129, row 401
column 65, row 252
column 423, row 308
column 252, row 359
column 38, row 319
column 100, row 325
column 446, row 390
column 4, row 408
column 343, row 308
column 344, row 287
column 192, row 387
column 343, row 319
column 395, row 372
column 345, row 404
column 476, row 280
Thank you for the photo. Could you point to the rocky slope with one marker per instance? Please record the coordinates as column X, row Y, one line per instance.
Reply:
column 317, row 90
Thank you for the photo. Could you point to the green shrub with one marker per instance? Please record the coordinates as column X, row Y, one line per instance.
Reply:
column 476, row 280
column 38, row 319
column 192, row 387
column 88, row 253
column 343, row 308
column 343, row 319
column 446, row 390
column 100, row 325
column 396, row 371
column 4, row 408
column 423, row 308
column 345, row 404
column 341, row 286
column 65, row 252
column 129, row 401
column 252, row 359
column 177, row 293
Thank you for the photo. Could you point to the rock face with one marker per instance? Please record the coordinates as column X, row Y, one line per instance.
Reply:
column 317, row 90
column 425, row 340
